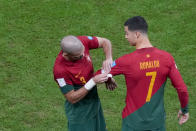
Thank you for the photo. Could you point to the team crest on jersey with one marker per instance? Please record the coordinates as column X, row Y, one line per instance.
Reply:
column 90, row 37
column 148, row 55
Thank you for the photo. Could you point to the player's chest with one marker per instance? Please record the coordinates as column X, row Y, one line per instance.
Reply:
column 81, row 72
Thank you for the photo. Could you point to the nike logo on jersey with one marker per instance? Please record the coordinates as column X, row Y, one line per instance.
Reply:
column 76, row 76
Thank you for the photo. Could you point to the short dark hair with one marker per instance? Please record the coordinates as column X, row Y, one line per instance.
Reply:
column 137, row 23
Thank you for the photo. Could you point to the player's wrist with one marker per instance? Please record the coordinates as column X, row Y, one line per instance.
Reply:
column 90, row 84
column 109, row 75
column 109, row 58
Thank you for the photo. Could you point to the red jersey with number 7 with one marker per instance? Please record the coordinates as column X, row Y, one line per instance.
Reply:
column 146, row 71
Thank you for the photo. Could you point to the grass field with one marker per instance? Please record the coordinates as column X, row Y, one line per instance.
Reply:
column 30, row 32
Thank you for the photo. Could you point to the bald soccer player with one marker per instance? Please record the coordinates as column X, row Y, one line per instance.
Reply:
column 146, row 71
column 73, row 71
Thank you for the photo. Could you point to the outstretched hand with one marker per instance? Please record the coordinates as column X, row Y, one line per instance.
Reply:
column 182, row 117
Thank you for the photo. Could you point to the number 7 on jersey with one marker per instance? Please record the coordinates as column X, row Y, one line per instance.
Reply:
column 153, row 75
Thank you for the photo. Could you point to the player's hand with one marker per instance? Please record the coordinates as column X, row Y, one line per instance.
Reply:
column 111, row 84
column 182, row 117
column 106, row 66
column 100, row 78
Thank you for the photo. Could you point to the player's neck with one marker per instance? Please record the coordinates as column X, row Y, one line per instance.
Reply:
column 143, row 43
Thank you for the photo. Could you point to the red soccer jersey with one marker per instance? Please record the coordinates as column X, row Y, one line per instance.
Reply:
column 72, row 76
column 78, row 72
column 146, row 71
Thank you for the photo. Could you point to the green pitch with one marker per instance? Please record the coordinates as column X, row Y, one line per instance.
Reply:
column 30, row 32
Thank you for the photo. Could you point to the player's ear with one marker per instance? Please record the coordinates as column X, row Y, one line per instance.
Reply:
column 138, row 34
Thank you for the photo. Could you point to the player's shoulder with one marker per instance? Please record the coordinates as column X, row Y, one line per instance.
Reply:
column 129, row 56
column 59, row 64
column 59, row 71
column 163, row 53
column 81, row 37
column 85, row 39
column 124, row 60
column 88, row 40
column 164, row 56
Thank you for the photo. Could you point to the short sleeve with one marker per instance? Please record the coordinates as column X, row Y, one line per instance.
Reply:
column 90, row 42
column 63, row 81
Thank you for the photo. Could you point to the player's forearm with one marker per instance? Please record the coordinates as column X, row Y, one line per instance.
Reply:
column 184, row 98
column 182, row 93
column 181, row 88
column 107, row 47
column 76, row 96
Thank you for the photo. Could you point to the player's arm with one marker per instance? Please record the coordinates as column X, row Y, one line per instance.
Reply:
column 99, row 42
column 117, row 67
column 75, row 96
column 182, row 91
column 110, row 83
column 107, row 48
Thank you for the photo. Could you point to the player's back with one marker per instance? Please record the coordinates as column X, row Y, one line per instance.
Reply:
column 145, row 72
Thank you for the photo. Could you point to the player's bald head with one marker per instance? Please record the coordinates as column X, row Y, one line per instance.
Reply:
column 71, row 44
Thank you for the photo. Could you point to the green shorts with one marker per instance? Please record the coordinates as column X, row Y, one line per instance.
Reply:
column 125, row 127
column 97, row 123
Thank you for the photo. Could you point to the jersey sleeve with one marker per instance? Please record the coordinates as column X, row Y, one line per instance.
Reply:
column 180, row 86
column 89, row 41
column 118, row 67
column 98, row 72
column 65, row 84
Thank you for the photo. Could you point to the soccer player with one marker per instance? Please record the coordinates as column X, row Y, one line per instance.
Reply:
column 146, row 71
column 73, row 71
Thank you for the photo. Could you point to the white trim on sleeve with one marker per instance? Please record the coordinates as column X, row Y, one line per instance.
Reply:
column 61, row 82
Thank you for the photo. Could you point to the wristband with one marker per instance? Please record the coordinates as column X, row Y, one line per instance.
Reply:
column 90, row 84
column 109, row 75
